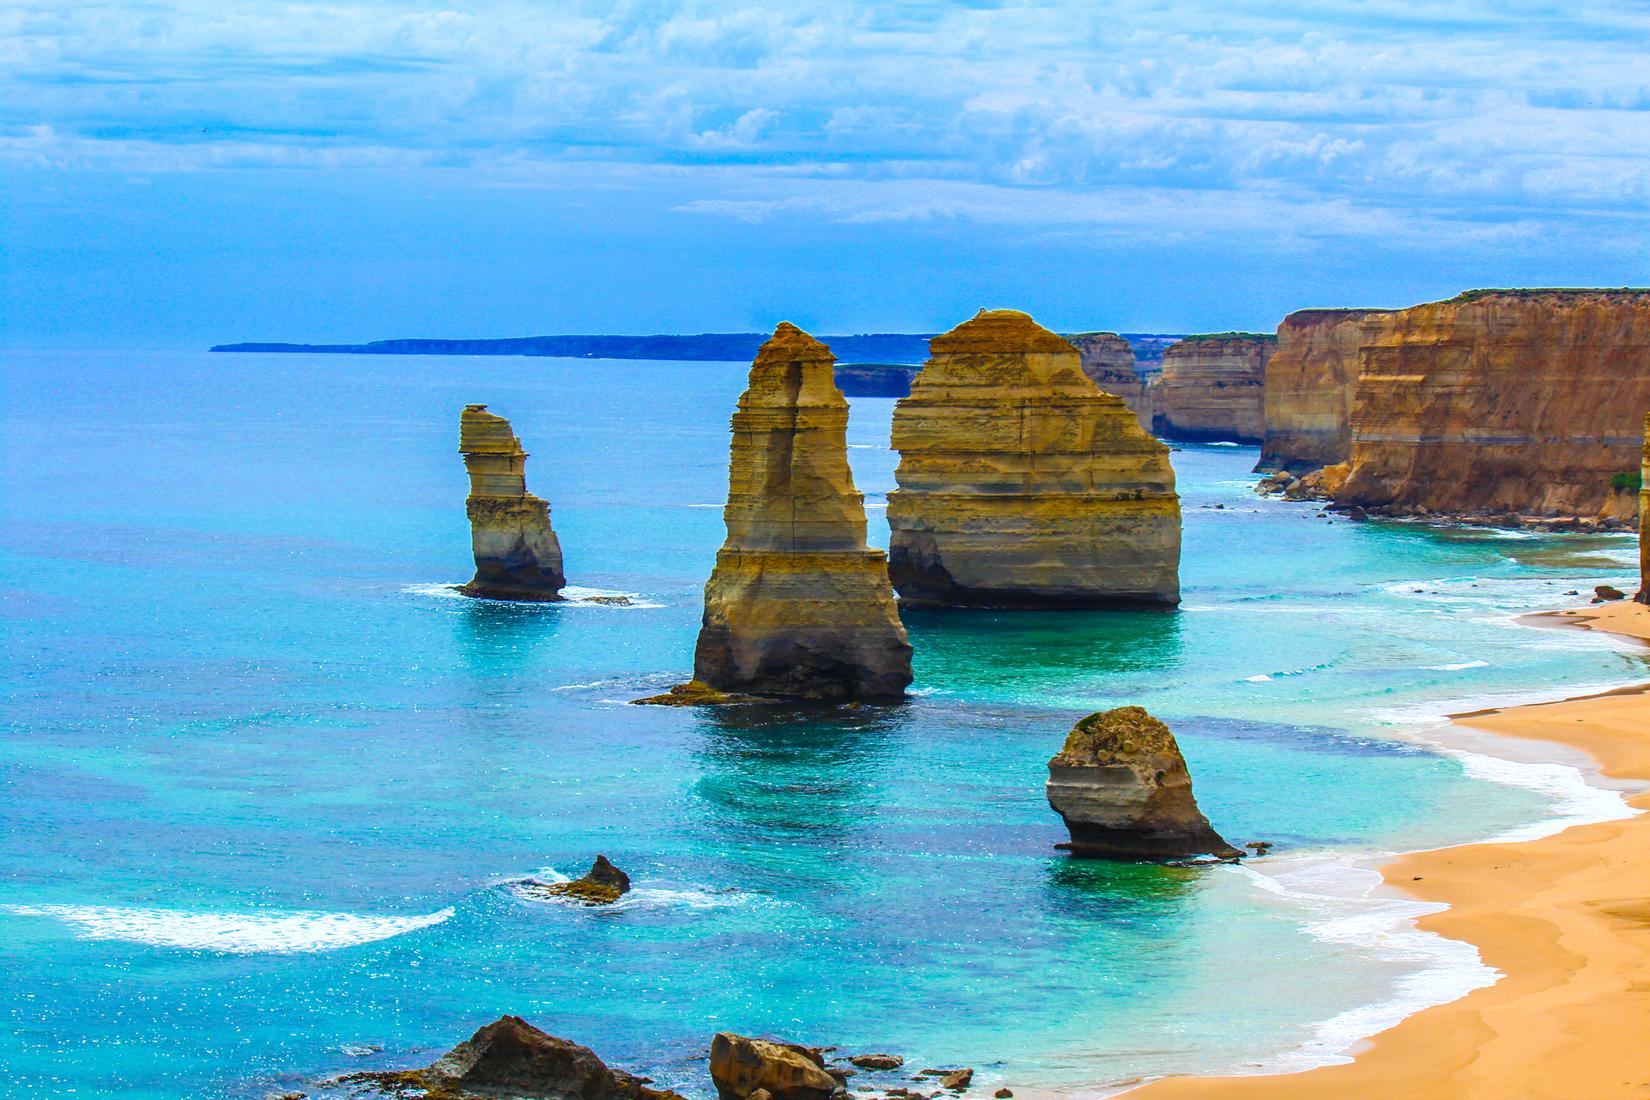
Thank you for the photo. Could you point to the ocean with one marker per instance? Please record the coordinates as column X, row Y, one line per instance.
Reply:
column 268, row 787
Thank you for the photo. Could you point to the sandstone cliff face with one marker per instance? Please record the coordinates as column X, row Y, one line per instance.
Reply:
column 1123, row 789
column 798, row 606
column 518, row 556
column 1524, row 402
column 1644, row 518
column 1022, row 485
column 1108, row 360
column 1214, row 387
column 1310, row 384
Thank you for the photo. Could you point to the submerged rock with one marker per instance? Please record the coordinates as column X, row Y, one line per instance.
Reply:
column 602, row 885
column 740, row 1066
column 798, row 606
column 1023, row 485
column 518, row 556
column 1123, row 789
column 512, row 1058
column 877, row 1061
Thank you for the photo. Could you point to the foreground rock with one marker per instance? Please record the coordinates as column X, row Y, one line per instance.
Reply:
column 1123, row 789
column 1022, row 485
column 604, row 884
column 512, row 1058
column 1310, row 384
column 798, row 606
column 1644, row 518
column 518, row 556
column 1214, row 387
column 1108, row 361
column 740, row 1066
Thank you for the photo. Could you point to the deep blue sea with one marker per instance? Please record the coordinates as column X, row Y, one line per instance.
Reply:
column 265, row 784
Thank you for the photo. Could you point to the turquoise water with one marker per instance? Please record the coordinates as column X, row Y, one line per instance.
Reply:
column 264, row 785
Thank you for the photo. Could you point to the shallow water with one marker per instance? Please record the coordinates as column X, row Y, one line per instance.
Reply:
column 267, row 783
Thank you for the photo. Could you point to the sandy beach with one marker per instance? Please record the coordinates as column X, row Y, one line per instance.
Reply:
column 1566, row 919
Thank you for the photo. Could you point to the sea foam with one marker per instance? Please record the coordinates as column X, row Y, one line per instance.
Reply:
column 274, row 933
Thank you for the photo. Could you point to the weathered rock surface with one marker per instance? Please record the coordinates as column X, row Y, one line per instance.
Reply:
column 798, row 606
column 1498, row 401
column 1108, row 360
column 740, row 1065
column 1023, row 485
column 1644, row 518
column 1123, row 789
column 1214, row 387
column 1310, row 383
column 603, row 884
column 518, row 556
column 512, row 1058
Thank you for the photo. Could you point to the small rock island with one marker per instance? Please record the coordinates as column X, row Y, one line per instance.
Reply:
column 1123, row 789
column 518, row 556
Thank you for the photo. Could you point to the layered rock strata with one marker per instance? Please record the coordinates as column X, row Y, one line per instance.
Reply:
column 517, row 554
column 1123, row 790
column 1515, row 403
column 1108, row 361
column 1310, row 384
column 1023, row 485
column 1214, row 387
column 798, row 605
column 1644, row 518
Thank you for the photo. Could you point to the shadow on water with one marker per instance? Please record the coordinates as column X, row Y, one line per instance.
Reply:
column 964, row 648
column 1087, row 890
column 500, row 636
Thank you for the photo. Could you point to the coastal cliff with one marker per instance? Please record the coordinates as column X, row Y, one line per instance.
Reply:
column 1644, row 517
column 1023, row 485
column 1213, row 387
column 1515, row 403
column 798, row 606
column 1108, row 360
column 1310, row 384
column 517, row 554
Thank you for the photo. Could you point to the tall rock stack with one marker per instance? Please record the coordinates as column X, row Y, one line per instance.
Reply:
column 1214, row 387
column 1022, row 485
column 1503, row 403
column 1644, row 518
column 798, row 606
column 1311, row 381
column 1108, row 360
column 518, row 556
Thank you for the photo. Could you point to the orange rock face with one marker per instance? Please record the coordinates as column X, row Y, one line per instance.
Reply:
column 1108, row 360
column 1644, row 518
column 518, row 556
column 1214, row 387
column 1310, row 383
column 1524, row 402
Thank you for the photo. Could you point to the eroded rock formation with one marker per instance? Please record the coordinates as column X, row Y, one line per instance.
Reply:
column 1214, row 387
column 740, row 1066
column 1023, row 485
column 1644, row 518
column 1503, row 402
column 1310, row 383
column 798, row 605
column 518, row 556
column 1108, row 360
column 1123, row 789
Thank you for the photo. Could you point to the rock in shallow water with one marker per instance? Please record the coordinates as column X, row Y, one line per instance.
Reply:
column 602, row 885
column 740, row 1066
column 517, row 554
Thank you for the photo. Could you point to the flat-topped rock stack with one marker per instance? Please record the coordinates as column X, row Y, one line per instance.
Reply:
column 798, row 606
column 1214, row 387
column 1525, row 403
column 517, row 554
column 1023, row 485
column 1311, row 381
column 1108, row 360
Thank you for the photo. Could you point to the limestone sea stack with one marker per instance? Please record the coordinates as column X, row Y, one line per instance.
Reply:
column 798, row 606
column 1522, row 403
column 1644, row 518
column 1214, row 387
column 1023, row 485
column 1310, row 384
column 518, row 556
column 1123, row 789
column 1108, row 360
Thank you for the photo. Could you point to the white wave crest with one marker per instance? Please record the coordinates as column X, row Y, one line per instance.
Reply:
column 1458, row 667
column 291, row 932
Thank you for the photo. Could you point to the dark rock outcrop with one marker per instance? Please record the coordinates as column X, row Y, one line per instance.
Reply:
column 1123, row 789
column 603, row 884
column 740, row 1066
column 517, row 554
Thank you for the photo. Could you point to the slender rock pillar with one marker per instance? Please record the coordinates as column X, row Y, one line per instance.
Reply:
column 518, row 556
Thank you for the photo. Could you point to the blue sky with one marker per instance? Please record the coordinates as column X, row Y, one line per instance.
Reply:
column 187, row 172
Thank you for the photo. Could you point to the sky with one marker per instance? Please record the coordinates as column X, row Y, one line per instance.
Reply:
column 182, row 172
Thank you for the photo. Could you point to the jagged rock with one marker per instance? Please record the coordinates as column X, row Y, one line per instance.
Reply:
column 1495, row 401
column 1022, row 485
column 957, row 1080
column 695, row 693
column 512, row 1058
column 877, row 1061
column 1644, row 518
column 518, row 556
column 1310, row 383
column 741, row 1065
column 604, row 884
column 798, row 606
column 1214, row 387
column 1108, row 361
column 1123, row 789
